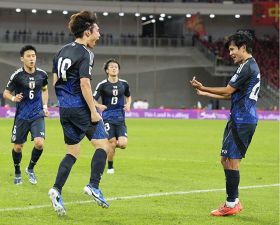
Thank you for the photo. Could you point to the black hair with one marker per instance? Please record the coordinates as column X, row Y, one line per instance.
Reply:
column 106, row 64
column 26, row 48
column 80, row 22
column 241, row 38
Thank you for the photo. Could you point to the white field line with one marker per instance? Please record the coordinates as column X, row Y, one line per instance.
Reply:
column 139, row 196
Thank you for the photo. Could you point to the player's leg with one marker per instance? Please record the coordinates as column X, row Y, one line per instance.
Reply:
column 227, row 152
column 38, row 135
column 231, row 169
column 111, row 154
column 120, row 141
column 17, row 156
column 73, row 152
column 72, row 124
column 99, row 139
column 121, row 134
column 19, row 136
column 63, row 172
column 111, row 129
column 235, row 143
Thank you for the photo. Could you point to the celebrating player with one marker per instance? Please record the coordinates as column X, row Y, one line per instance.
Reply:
column 242, row 89
column 72, row 67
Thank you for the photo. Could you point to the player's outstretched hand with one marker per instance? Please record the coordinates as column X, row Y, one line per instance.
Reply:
column 196, row 84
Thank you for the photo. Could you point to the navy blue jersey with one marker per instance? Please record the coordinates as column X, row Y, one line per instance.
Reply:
column 243, row 101
column 73, row 62
column 113, row 96
column 31, row 105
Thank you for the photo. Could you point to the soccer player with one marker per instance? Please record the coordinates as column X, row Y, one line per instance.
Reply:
column 116, row 100
column 30, row 87
column 72, row 66
column 242, row 89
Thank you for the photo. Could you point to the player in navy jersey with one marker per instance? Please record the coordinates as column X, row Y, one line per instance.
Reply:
column 116, row 100
column 72, row 69
column 242, row 89
column 29, row 85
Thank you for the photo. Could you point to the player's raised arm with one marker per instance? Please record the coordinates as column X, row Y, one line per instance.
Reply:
column 212, row 92
column 210, row 95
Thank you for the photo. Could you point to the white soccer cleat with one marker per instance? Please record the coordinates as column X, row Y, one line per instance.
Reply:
column 31, row 176
column 57, row 202
column 18, row 179
column 111, row 171
column 96, row 195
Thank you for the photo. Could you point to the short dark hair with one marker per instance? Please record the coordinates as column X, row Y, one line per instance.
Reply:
column 26, row 48
column 106, row 64
column 241, row 38
column 80, row 22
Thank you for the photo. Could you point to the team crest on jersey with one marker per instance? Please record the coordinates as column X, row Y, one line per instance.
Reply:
column 31, row 84
column 115, row 92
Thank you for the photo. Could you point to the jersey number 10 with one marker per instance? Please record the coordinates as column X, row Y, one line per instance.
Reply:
column 63, row 65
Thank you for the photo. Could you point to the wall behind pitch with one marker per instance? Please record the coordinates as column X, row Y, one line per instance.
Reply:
column 168, row 88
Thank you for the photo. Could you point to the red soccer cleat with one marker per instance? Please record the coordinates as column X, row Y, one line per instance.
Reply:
column 226, row 211
column 239, row 206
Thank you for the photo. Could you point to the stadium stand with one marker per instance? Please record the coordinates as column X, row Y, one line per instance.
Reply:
column 158, row 59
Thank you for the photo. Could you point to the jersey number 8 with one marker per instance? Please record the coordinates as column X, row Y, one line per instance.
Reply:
column 114, row 100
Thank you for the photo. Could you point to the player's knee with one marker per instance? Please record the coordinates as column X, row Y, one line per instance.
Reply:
column 224, row 162
column 122, row 144
column 39, row 144
column 113, row 144
column 18, row 147
column 103, row 144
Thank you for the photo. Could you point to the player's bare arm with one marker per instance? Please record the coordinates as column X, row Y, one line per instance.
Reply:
column 210, row 95
column 128, row 104
column 14, row 98
column 54, row 78
column 222, row 91
column 87, row 93
column 45, row 99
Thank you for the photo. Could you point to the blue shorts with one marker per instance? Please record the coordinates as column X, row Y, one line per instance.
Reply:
column 237, row 138
column 115, row 130
column 76, row 124
column 21, row 128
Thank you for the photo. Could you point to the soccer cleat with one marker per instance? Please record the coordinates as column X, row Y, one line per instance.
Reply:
column 31, row 176
column 111, row 171
column 239, row 207
column 17, row 179
column 57, row 202
column 225, row 211
column 96, row 195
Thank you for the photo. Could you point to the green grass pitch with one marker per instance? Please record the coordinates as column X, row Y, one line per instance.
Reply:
column 172, row 159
